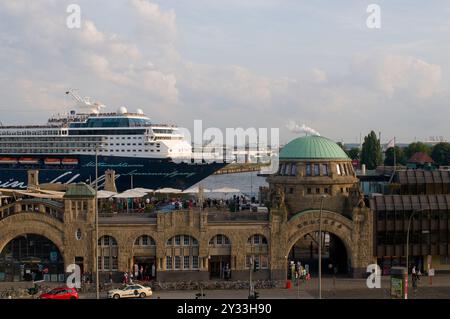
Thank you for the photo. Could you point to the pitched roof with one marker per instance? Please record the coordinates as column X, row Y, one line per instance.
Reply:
column 80, row 190
column 420, row 158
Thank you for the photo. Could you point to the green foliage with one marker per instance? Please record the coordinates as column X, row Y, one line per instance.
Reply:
column 399, row 154
column 354, row 153
column 441, row 153
column 371, row 151
column 416, row 147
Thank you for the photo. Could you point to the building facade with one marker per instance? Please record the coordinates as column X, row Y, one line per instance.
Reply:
column 315, row 188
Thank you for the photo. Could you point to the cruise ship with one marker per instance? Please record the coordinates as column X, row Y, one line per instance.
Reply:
column 67, row 149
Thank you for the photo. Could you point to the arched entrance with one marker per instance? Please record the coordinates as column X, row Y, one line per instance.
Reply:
column 144, row 258
column 219, row 257
column 305, row 252
column 31, row 257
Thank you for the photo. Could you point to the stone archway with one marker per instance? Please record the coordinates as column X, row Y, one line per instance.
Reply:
column 32, row 223
column 307, row 222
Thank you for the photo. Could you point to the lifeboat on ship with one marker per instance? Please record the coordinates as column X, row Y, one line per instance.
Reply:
column 52, row 161
column 28, row 160
column 8, row 160
column 70, row 161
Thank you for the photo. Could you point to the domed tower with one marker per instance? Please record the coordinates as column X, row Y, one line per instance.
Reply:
column 310, row 167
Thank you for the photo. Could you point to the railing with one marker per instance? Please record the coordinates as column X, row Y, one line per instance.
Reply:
column 10, row 209
column 237, row 216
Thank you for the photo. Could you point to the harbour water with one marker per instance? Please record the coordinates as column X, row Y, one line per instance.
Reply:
column 248, row 183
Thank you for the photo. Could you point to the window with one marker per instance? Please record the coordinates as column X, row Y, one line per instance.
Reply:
column 219, row 240
column 177, row 262
column 291, row 190
column 257, row 240
column 282, row 169
column 325, row 169
column 293, row 170
column 308, row 169
column 107, row 259
column 316, row 170
column 168, row 262
column 308, row 191
column 287, row 169
column 186, row 263
column 317, row 190
column 338, row 169
column 145, row 240
column 194, row 262
column 180, row 257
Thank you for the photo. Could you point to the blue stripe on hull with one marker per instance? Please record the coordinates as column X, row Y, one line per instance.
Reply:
column 142, row 172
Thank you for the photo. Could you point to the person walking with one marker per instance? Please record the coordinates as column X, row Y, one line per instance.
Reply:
column 414, row 278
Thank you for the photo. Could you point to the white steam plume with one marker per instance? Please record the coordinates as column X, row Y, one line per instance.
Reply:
column 295, row 128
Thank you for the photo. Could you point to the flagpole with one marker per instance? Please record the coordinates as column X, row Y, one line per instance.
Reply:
column 395, row 158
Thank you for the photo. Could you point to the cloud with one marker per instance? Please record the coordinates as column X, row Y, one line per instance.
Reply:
column 395, row 74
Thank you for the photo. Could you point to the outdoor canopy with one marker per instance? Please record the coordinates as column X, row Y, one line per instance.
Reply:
column 130, row 194
column 168, row 190
column 105, row 194
column 195, row 190
column 226, row 190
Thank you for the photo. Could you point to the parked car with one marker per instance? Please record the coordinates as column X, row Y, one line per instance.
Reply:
column 130, row 291
column 60, row 293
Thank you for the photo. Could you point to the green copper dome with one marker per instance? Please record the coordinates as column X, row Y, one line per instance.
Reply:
column 312, row 147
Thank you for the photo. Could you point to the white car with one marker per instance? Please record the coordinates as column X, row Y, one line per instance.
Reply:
column 130, row 291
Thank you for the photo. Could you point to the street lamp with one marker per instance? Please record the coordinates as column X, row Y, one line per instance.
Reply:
column 97, row 288
column 320, row 245
column 407, row 239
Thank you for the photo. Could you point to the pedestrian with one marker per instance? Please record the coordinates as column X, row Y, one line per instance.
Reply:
column 130, row 278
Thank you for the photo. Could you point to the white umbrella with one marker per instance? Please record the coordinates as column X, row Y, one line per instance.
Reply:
column 226, row 190
column 130, row 194
column 143, row 190
column 168, row 190
column 105, row 194
column 195, row 190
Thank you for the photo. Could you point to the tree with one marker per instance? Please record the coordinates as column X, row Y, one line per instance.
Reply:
column 399, row 156
column 415, row 147
column 441, row 153
column 371, row 151
column 354, row 153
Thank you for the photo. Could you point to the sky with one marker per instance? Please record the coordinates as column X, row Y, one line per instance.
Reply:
column 234, row 63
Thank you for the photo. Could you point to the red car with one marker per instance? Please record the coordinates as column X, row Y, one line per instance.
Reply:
column 60, row 293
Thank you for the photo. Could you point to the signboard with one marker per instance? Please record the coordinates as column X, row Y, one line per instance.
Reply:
column 396, row 288
column 431, row 272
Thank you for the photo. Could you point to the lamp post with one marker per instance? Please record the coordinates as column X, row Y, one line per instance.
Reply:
column 320, row 246
column 96, row 223
column 407, row 240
